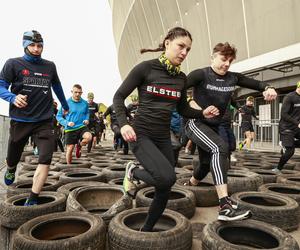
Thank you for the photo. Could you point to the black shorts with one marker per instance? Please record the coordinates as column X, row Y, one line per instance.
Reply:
column 288, row 137
column 247, row 126
column 72, row 137
column 42, row 134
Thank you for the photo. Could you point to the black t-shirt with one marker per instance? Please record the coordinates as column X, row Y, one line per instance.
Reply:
column 111, row 111
column 93, row 109
column 34, row 80
column 159, row 94
column 213, row 89
column 247, row 113
column 290, row 112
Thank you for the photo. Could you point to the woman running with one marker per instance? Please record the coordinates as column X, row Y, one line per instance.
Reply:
column 161, row 88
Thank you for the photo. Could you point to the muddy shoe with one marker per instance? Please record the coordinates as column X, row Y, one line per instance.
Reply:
column 128, row 185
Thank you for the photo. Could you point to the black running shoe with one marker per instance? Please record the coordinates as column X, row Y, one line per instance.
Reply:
column 228, row 213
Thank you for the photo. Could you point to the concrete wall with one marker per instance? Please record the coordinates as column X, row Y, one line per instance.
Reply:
column 254, row 26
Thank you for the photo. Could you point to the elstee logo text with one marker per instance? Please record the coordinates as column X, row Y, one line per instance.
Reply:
column 163, row 91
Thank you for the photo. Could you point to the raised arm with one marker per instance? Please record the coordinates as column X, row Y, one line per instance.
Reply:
column 133, row 80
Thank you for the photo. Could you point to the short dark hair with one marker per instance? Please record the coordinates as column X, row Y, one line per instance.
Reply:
column 225, row 49
column 78, row 86
column 172, row 34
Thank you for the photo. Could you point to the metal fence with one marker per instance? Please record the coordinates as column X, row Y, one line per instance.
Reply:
column 266, row 134
column 4, row 133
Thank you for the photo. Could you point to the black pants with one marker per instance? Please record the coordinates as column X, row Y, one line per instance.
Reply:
column 19, row 133
column 289, row 144
column 156, row 157
column 213, row 151
column 118, row 136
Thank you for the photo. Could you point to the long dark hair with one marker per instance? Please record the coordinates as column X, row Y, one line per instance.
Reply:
column 172, row 34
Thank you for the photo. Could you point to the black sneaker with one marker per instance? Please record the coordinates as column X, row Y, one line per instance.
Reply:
column 232, row 203
column 228, row 213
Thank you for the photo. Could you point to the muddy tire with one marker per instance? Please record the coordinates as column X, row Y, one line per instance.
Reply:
column 81, row 175
column 13, row 213
column 205, row 193
column 106, row 201
column 69, row 187
column 172, row 232
column 275, row 209
column 289, row 190
column 268, row 175
column 113, row 172
column 75, row 164
column 76, row 231
column 24, row 187
column 180, row 200
column 239, row 235
column 239, row 181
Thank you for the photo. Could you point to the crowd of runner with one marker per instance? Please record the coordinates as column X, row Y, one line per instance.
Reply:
column 160, row 120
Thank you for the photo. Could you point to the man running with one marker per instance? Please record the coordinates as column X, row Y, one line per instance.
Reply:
column 75, row 123
column 115, row 127
column 247, row 111
column 30, row 79
column 289, row 127
column 93, row 120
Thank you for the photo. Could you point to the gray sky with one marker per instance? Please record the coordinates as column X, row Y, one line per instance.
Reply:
column 77, row 37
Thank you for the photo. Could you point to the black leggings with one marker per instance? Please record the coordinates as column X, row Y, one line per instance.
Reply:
column 289, row 144
column 156, row 157
column 213, row 151
column 117, row 135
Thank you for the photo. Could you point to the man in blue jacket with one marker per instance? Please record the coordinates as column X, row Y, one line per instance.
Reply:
column 30, row 79
column 75, row 123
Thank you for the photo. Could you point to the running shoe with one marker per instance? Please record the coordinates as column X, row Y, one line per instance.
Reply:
column 78, row 150
column 35, row 151
column 232, row 203
column 228, row 213
column 9, row 178
column 30, row 202
column 276, row 170
column 128, row 185
column 241, row 145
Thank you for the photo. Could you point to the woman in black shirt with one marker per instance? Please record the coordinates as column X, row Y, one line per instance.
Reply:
column 161, row 88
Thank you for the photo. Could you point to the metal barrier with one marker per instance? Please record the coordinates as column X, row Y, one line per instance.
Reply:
column 4, row 134
column 266, row 134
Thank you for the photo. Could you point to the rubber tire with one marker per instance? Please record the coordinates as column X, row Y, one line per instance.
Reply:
column 268, row 175
column 205, row 193
column 239, row 181
column 18, row 187
column 113, row 172
column 75, row 164
column 69, row 187
column 177, row 236
column 93, row 238
column 68, row 178
column 242, row 234
column 294, row 194
column 114, row 205
column 184, row 205
column 12, row 216
column 285, row 215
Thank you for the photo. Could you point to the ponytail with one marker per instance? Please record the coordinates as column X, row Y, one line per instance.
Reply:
column 172, row 34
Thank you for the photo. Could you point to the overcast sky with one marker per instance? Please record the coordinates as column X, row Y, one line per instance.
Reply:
column 78, row 38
